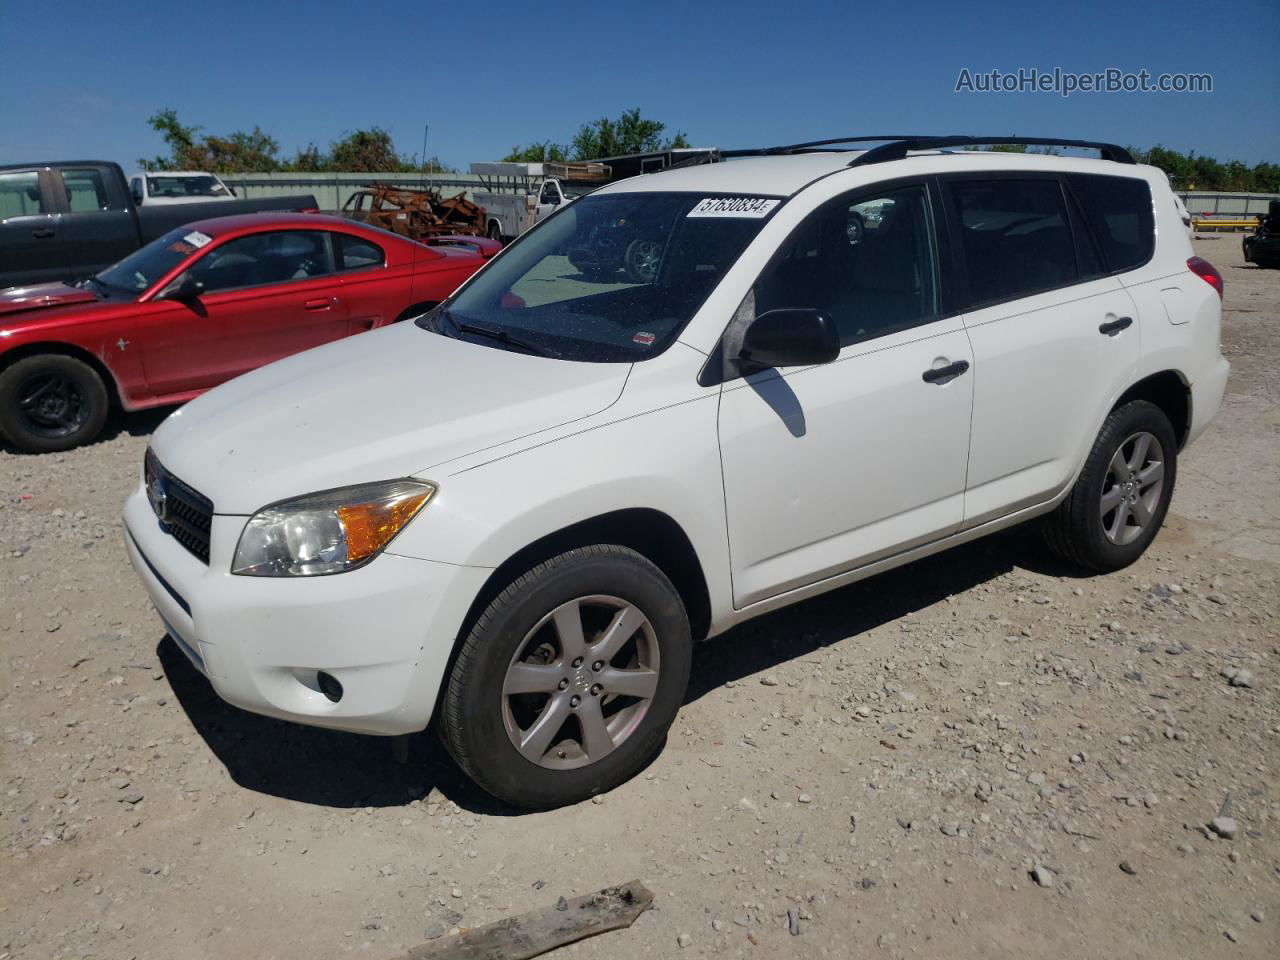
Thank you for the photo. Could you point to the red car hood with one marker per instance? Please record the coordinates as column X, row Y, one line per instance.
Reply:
column 20, row 299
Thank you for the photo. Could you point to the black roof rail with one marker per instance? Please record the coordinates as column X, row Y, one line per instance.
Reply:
column 900, row 147
column 812, row 145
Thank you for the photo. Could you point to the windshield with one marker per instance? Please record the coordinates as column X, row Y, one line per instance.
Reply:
column 611, row 278
column 201, row 186
column 138, row 271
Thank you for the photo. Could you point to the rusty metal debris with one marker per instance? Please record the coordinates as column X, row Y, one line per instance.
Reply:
column 415, row 212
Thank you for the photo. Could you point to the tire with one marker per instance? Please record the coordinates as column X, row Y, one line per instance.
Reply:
column 642, row 260
column 51, row 402
column 1082, row 530
column 495, row 231
column 517, row 645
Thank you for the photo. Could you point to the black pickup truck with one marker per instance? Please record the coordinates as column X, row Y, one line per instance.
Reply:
column 67, row 220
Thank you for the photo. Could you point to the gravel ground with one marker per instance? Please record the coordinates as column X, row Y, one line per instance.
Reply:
column 980, row 755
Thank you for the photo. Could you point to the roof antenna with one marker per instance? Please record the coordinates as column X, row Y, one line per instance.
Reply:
column 413, row 268
column 425, row 180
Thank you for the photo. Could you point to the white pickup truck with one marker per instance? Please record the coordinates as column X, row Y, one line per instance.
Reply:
column 518, row 195
column 178, row 186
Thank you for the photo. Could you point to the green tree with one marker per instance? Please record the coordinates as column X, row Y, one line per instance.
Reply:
column 365, row 151
column 180, row 139
column 629, row 133
column 545, row 152
column 252, row 152
column 433, row 165
column 308, row 159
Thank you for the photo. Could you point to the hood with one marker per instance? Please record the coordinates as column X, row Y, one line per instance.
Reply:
column 394, row 402
column 41, row 295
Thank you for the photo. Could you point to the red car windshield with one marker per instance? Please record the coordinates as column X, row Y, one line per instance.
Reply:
column 142, row 268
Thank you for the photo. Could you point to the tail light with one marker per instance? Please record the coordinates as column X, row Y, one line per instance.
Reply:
column 1207, row 272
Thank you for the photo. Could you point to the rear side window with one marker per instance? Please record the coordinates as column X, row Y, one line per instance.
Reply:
column 86, row 191
column 1118, row 211
column 20, row 195
column 356, row 253
column 1015, row 235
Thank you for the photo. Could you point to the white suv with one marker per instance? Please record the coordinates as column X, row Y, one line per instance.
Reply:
column 518, row 513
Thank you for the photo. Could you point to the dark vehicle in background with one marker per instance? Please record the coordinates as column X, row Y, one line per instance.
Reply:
column 66, row 221
column 1263, row 245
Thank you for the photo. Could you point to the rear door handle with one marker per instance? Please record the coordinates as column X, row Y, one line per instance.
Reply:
column 43, row 233
column 941, row 375
column 1112, row 327
column 321, row 303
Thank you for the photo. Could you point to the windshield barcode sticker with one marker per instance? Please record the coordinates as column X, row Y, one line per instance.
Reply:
column 754, row 208
column 198, row 239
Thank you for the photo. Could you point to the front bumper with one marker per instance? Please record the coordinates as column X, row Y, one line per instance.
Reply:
column 385, row 631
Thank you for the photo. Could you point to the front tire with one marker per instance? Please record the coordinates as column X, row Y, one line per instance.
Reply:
column 567, row 684
column 1122, row 495
column 642, row 260
column 51, row 402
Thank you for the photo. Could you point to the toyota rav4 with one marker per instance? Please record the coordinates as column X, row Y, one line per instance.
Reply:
column 514, row 516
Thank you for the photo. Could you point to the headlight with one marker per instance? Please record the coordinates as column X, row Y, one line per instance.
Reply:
column 329, row 532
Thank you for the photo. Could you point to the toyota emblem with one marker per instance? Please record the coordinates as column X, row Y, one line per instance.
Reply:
column 158, row 497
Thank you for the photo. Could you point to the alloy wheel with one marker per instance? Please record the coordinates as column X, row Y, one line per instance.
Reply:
column 646, row 255
column 1132, row 488
column 580, row 682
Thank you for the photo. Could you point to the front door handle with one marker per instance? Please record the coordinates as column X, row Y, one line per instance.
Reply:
column 941, row 375
column 43, row 233
column 1113, row 327
column 322, row 303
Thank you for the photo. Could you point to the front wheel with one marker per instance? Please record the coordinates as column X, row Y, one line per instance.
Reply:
column 569, row 680
column 642, row 259
column 1121, row 497
column 51, row 402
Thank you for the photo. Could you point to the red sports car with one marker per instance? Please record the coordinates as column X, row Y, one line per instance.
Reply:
column 200, row 305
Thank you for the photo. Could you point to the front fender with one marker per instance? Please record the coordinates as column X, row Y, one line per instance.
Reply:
column 665, row 460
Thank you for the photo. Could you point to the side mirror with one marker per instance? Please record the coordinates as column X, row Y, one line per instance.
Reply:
column 185, row 289
column 552, row 198
column 137, row 195
column 789, row 338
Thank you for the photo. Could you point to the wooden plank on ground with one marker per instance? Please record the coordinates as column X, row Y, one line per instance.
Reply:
column 533, row 934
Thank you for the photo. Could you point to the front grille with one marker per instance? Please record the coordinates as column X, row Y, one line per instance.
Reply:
column 183, row 512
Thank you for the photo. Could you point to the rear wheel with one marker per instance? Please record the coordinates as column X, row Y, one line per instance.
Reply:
column 568, row 682
column 495, row 231
column 51, row 402
column 1122, row 495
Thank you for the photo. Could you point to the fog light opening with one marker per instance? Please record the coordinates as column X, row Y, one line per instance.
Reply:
column 329, row 686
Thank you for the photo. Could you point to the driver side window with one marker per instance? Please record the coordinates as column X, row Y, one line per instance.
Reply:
column 263, row 258
column 549, row 193
column 867, row 261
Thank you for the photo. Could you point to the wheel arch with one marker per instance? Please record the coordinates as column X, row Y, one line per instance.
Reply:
column 653, row 534
column 1169, row 391
column 10, row 357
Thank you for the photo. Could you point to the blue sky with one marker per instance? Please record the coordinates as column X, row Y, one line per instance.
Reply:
column 80, row 79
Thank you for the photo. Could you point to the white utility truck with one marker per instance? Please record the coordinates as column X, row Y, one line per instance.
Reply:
column 515, row 196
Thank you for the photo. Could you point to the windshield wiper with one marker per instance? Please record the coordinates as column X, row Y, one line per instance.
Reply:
column 499, row 335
